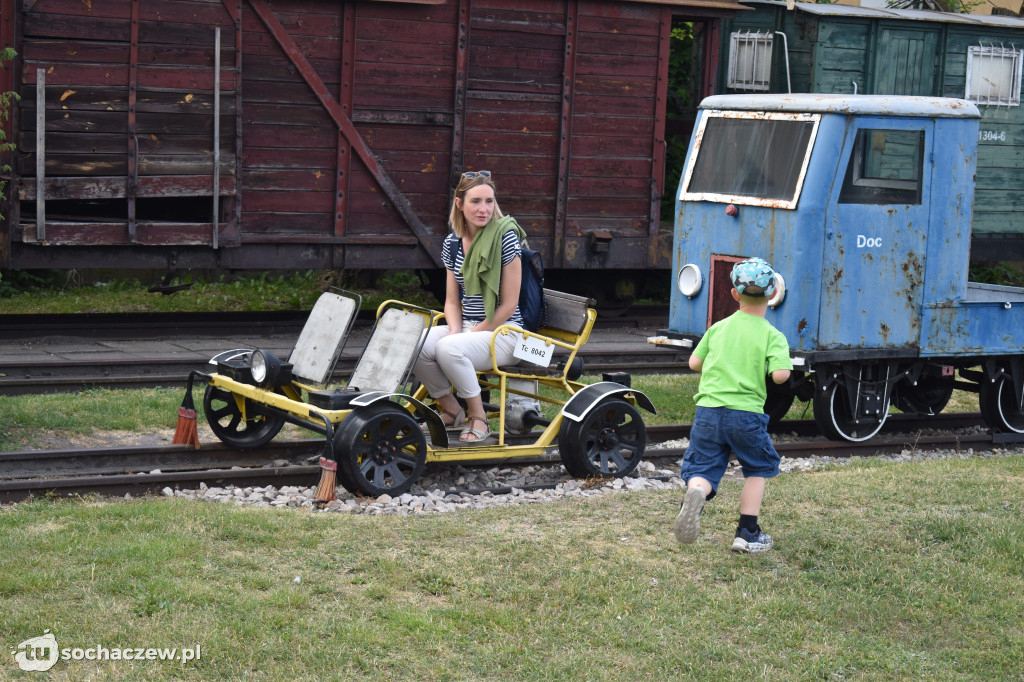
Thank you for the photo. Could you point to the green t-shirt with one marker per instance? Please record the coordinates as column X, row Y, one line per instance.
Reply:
column 738, row 352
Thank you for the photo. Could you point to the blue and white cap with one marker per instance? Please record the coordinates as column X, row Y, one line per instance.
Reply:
column 754, row 277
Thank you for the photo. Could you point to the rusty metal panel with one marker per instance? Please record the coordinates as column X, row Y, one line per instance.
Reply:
column 875, row 252
column 975, row 327
column 876, row 241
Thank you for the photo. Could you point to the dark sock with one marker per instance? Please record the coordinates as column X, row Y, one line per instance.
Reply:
column 748, row 522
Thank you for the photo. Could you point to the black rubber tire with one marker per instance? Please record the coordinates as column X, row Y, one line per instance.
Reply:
column 998, row 406
column 608, row 442
column 778, row 400
column 380, row 449
column 835, row 420
column 225, row 419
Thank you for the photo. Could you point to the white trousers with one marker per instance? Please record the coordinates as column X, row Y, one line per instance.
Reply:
column 453, row 360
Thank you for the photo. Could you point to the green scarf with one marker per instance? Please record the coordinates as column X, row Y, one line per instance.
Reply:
column 481, row 267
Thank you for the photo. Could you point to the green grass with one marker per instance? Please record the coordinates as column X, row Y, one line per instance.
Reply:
column 30, row 421
column 257, row 292
column 881, row 571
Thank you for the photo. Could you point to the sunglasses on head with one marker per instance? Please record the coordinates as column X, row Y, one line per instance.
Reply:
column 473, row 174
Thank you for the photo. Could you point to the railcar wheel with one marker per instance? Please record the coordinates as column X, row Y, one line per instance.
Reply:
column 999, row 407
column 381, row 449
column 928, row 397
column 225, row 419
column 609, row 441
column 836, row 420
column 777, row 401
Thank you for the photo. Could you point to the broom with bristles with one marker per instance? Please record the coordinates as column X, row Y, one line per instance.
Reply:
column 187, row 430
column 328, row 481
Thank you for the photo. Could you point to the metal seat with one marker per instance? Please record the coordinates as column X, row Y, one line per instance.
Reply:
column 318, row 348
column 391, row 351
column 386, row 362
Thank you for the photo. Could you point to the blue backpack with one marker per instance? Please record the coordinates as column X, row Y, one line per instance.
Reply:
column 531, row 292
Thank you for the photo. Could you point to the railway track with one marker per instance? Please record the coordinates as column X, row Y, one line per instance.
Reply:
column 126, row 358
column 142, row 470
column 126, row 326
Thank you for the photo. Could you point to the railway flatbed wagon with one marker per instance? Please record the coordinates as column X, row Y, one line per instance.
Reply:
column 863, row 205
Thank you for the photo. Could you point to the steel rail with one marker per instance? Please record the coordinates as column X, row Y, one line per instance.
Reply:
column 28, row 327
column 142, row 470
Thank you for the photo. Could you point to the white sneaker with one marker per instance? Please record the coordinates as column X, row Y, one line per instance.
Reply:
column 749, row 543
column 687, row 526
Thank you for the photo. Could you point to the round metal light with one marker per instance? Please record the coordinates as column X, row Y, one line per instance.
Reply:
column 780, row 291
column 689, row 280
column 259, row 367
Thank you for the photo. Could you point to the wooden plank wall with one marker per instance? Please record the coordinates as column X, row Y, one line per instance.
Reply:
column 513, row 117
column 426, row 90
column 400, row 88
column 998, row 200
column 84, row 49
column 598, row 131
column 618, row 101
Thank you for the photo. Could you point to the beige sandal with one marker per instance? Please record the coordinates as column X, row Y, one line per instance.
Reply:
column 471, row 435
column 458, row 421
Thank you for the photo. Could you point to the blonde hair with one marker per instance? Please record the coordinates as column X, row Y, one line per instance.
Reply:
column 456, row 219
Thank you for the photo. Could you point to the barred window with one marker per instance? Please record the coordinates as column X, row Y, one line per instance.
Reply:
column 994, row 75
column 750, row 61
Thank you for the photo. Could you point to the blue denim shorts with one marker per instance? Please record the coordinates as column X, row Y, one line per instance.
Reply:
column 719, row 431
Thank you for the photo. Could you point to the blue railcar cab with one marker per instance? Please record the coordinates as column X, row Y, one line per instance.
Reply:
column 863, row 206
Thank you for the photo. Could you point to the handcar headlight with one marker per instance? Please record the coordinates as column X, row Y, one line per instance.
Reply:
column 267, row 370
column 689, row 280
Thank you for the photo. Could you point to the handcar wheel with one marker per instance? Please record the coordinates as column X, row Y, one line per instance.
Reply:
column 225, row 419
column 381, row 449
column 998, row 405
column 928, row 397
column 835, row 419
column 609, row 441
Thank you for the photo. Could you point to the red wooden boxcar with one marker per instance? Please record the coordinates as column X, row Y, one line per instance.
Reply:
column 340, row 129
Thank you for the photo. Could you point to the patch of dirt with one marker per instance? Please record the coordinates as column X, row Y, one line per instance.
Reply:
column 109, row 439
column 43, row 440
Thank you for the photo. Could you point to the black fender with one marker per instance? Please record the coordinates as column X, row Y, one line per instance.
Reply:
column 438, row 431
column 584, row 400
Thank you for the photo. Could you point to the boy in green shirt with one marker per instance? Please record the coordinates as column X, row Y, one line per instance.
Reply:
column 733, row 357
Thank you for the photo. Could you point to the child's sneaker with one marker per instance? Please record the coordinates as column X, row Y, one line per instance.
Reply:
column 750, row 542
column 687, row 526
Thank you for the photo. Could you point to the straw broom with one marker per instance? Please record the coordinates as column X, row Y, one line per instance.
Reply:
column 328, row 481
column 187, row 430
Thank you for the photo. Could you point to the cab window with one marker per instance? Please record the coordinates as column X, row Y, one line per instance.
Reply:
column 886, row 167
column 750, row 158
